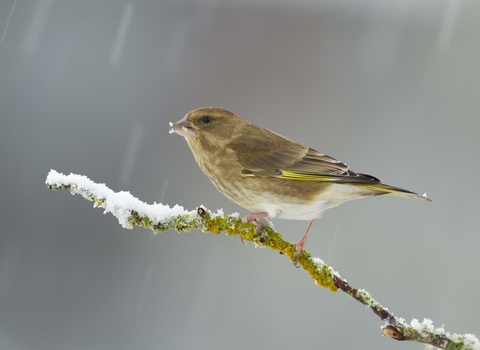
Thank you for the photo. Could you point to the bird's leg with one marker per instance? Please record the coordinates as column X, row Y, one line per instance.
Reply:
column 252, row 217
column 301, row 243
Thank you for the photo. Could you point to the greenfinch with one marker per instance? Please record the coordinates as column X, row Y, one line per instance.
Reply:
column 271, row 175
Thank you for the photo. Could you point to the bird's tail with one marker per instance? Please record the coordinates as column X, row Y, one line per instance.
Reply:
column 388, row 190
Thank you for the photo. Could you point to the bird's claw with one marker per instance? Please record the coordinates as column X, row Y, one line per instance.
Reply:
column 298, row 252
column 252, row 218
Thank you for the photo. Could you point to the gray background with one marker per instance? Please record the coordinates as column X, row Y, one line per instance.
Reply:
column 391, row 88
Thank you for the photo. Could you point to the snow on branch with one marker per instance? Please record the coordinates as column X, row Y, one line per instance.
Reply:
column 131, row 212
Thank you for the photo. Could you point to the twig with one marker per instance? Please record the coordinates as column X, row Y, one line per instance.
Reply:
column 131, row 212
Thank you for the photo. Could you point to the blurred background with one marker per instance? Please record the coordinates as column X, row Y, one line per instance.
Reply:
column 391, row 88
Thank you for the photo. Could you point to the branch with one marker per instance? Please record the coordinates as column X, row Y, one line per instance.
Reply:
column 131, row 212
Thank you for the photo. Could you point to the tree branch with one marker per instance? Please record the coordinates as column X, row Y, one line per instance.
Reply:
column 131, row 212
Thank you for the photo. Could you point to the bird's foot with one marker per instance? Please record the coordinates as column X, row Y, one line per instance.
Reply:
column 252, row 217
column 299, row 245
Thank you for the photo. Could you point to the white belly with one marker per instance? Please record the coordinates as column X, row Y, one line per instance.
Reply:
column 295, row 209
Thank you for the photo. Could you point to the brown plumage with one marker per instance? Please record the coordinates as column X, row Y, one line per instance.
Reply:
column 269, row 174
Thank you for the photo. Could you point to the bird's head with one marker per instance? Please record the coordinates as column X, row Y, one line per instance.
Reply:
column 209, row 123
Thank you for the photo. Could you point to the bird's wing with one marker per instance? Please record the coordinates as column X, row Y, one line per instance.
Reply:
column 271, row 155
column 309, row 166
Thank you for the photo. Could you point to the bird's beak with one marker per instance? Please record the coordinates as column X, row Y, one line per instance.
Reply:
column 183, row 127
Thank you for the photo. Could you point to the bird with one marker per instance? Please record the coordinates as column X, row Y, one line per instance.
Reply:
column 271, row 175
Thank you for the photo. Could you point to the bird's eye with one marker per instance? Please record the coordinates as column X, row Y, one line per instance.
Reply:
column 206, row 119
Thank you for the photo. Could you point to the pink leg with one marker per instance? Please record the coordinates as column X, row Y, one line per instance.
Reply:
column 252, row 217
column 301, row 243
